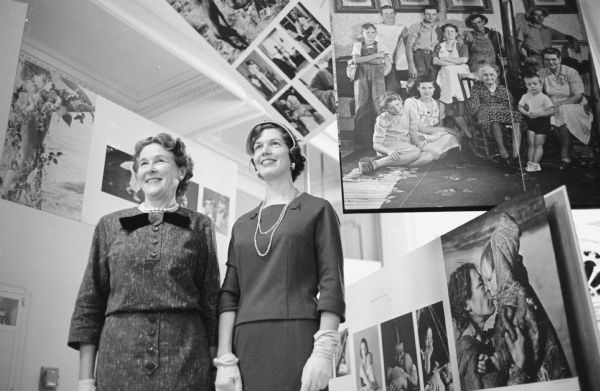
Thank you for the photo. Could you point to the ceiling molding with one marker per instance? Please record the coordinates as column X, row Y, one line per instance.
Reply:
column 170, row 102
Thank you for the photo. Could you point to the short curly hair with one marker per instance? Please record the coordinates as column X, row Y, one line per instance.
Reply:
column 177, row 147
column 388, row 97
column 296, row 156
column 459, row 291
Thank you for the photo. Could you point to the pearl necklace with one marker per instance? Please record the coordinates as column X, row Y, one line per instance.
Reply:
column 270, row 230
column 143, row 207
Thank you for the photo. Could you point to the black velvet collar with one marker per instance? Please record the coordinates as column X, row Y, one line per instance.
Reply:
column 131, row 223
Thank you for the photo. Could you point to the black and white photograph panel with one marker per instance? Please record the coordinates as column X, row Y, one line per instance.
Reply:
column 119, row 178
column 367, row 357
column 461, row 123
column 261, row 75
column 45, row 152
column 433, row 348
column 283, row 53
column 229, row 26
column 9, row 310
column 342, row 355
column 297, row 111
column 505, row 298
column 302, row 26
column 216, row 206
column 400, row 358
column 319, row 80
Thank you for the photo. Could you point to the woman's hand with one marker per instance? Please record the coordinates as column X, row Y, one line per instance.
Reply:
column 316, row 373
column 395, row 155
column 515, row 341
column 228, row 373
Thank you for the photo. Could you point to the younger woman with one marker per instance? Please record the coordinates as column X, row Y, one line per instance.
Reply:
column 426, row 116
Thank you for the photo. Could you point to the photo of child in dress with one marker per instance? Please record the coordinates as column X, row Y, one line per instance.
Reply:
column 400, row 354
column 433, row 345
column 367, row 358
column 505, row 298
column 216, row 206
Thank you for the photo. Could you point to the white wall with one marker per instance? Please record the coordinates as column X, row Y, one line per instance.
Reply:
column 46, row 255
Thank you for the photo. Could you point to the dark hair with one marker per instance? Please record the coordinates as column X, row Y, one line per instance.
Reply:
column 425, row 79
column 459, row 291
column 387, row 98
column 295, row 152
column 383, row 7
column 551, row 51
column 430, row 7
column 177, row 148
column 445, row 26
column 529, row 14
column 366, row 344
column 366, row 26
column 528, row 74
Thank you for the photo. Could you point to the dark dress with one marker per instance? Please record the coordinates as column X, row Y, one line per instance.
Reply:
column 148, row 301
column 275, row 297
column 490, row 107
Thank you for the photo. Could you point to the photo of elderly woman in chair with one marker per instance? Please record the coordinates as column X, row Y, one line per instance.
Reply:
column 479, row 122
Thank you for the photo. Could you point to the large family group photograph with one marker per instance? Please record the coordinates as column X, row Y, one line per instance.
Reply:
column 452, row 106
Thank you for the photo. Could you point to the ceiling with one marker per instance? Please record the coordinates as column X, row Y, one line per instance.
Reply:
column 146, row 58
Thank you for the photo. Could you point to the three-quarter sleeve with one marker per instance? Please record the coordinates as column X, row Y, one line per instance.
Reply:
column 575, row 82
column 330, row 262
column 90, row 307
column 230, row 290
column 209, row 284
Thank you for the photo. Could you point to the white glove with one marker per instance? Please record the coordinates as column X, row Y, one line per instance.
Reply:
column 319, row 367
column 86, row 385
column 228, row 373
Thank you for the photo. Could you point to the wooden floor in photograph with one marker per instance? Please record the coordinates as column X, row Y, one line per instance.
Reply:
column 465, row 183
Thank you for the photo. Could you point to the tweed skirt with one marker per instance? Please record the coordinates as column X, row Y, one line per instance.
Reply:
column 154, row 351
column 272, row 353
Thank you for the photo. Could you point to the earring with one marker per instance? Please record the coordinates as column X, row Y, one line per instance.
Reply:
column 293, row 165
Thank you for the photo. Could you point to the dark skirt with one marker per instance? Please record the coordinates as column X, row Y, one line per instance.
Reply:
column 273, row 353
column 154, row 351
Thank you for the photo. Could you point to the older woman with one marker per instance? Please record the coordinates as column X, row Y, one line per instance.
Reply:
column 147, row 306
column 571, row 115
column 493, row 105
column 283, row 294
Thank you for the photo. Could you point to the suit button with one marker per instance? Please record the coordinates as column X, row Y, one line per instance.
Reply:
column 154, row 241
column 150, row 349
column 150, row 366
column 152, row 332
column 155, row 228
column 153, row 254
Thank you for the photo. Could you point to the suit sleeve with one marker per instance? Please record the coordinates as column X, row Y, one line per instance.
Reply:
column 90, row 306
column 330, row 262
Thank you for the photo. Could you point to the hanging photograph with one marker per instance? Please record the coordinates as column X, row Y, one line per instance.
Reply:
column 469, row 6
column 297, row 111
column 342, row 356
column 501, row 272
column 367, row 353
column 283, row 53
column 319, row 80
column 261, row 75
column 556, row 6
column 302, row 26
column 119, row 177
column 352, row 6
column 448, row 123
column 433, row 345
column 216, row 206
column 228, row 26
column 411, row 5
column 400, row 358
column 44, row 159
